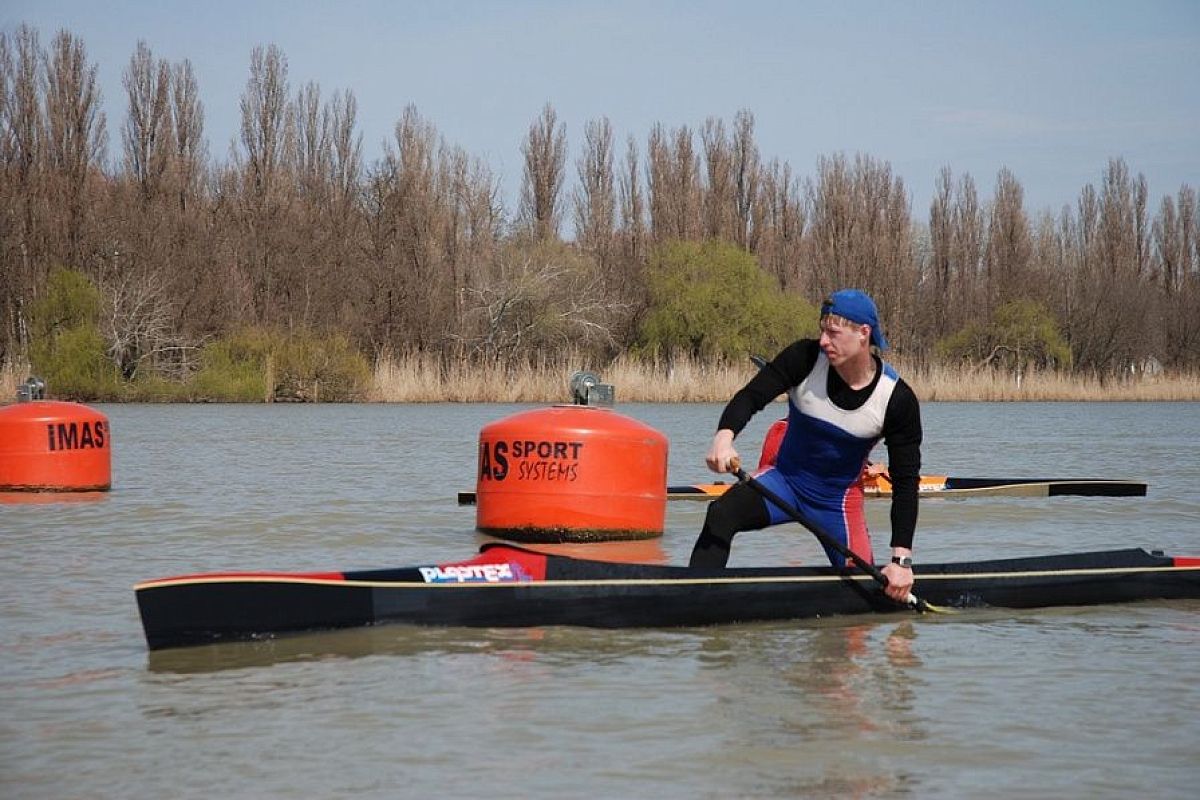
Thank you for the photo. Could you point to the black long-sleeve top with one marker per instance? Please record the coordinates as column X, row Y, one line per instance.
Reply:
column 901, row 425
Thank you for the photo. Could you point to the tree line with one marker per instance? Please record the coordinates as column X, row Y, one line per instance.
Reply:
column 296, row 232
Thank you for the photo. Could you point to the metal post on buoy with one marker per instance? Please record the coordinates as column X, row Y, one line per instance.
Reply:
column 587, row 390
column 34, row 388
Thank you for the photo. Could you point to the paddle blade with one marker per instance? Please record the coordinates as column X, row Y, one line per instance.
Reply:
column 923, row 606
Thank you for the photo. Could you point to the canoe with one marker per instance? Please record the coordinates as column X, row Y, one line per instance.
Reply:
column 507, row 586
column 941, row 486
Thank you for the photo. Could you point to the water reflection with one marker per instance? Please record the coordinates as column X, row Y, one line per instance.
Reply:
column 394, row 640
column 46, row 498
column 719, row 647
column 813, row 707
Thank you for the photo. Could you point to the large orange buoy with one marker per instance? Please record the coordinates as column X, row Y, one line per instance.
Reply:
column 571, row 473
column 49, row 445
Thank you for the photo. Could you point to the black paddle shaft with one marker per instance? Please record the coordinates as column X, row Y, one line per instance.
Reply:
column 821, row 535
column 813, row 528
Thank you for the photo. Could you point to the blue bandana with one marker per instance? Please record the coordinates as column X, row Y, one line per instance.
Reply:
column 856, row 306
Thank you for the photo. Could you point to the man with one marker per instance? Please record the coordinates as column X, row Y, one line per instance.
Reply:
column 842, row 399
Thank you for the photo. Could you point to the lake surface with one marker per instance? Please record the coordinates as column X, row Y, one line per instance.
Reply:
column 1095, row 702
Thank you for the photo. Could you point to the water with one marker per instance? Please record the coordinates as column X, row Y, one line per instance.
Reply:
column 1097, row 702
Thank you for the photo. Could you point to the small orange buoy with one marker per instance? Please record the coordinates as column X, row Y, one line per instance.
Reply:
column 571, row 473
column 54, row 446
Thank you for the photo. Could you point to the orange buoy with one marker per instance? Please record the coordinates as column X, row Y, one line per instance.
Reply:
column 571, row 473
column 54, row 446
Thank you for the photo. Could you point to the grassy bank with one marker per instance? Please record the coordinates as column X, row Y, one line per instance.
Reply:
column 421, row 379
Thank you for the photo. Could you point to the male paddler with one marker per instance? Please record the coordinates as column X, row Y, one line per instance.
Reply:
column 842, row 399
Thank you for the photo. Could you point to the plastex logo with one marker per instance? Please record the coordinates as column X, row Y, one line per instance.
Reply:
column 470, row 573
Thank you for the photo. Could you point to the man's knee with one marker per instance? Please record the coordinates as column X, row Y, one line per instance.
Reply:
column 740, row 509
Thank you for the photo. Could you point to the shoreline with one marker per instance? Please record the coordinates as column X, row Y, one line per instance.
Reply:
column 422, row 379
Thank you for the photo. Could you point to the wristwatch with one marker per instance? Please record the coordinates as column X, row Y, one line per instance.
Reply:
column 904, row 561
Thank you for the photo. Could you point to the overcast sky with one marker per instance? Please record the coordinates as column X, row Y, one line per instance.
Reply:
column 1050, row 90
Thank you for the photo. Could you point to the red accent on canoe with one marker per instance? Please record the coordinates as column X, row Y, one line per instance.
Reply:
column 531, row 563
column 1185, row 561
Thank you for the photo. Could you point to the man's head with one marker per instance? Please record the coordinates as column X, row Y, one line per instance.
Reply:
column 857, row 307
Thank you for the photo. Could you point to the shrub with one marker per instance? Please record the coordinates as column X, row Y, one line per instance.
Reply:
column 315, row 370
column 234, row 369
column 712, row 299
column 255, row 365
column 1022, row 335
column 66, row 348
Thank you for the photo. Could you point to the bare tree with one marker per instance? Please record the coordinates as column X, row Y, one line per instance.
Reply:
column 832, row 224
column 733, row 172
column 21, row 138
column 75, row 134
column 955, row 292
column 1106, row 323
column 138, row 324
column 861, row 235
column 542, row 299
column 673, row 185
column 780, row 226
column 187, row 115
column 24, row 125
column 432, row 224
column 545, row 151
column 968, row 241
column 266, row 117
column 148, row 130
column 747, row 172
column 263, row 193
column 1009, row 246
column 595, row 199
column 1175, row 233
column 346, row 146
column 633, row 212
column 1177, row 259
column 719, row 201
column 941, row 260
column 312, row 154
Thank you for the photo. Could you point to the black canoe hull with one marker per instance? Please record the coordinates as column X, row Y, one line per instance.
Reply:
column 202, row 609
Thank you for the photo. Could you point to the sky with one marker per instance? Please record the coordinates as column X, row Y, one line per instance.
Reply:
column 1049, row 90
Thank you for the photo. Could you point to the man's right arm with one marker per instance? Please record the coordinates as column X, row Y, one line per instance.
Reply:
column 786, row 370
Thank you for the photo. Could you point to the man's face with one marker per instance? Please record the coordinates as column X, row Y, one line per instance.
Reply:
column 843, row 341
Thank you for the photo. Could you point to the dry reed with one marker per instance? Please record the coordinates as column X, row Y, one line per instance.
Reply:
column 416, row 378
column 419, row 378
column 941, row 383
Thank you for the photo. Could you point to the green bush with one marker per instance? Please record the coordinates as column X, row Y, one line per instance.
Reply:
column 320, row 370
column 66, row 348
column 1021, row 335
column 234, row 369
column 255, row 365
column 712, row 299
column 153, row 388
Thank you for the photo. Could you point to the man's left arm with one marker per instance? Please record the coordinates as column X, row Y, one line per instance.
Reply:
column 902, row 435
